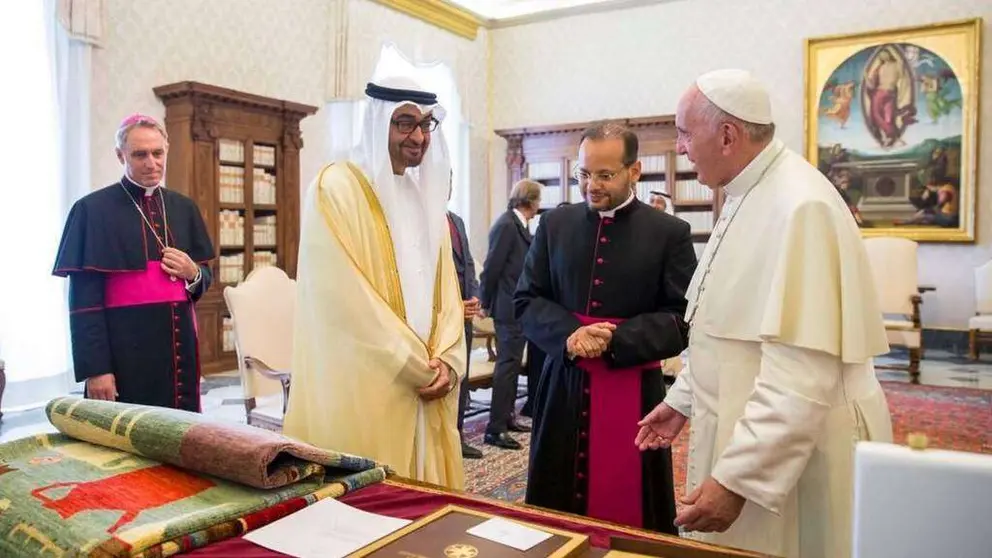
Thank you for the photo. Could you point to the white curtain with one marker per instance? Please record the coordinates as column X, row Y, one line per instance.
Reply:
column 46, row 167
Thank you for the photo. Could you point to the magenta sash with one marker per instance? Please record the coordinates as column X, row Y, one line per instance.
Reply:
column 151, row 286
column 615, row 478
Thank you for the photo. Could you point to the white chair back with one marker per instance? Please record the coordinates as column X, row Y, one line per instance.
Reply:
column 901, row 494
column 894, row 267
column 983, row 288
column 263, row 307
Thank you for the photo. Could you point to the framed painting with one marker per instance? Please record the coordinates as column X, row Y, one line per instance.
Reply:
column 892, row 121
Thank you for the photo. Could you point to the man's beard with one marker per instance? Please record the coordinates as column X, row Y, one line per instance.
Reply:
column 616, row 198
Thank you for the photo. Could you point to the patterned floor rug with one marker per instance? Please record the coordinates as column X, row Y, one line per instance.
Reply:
column 952, row 418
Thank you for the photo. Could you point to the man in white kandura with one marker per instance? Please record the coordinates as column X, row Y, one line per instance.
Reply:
column 780, row 384
column 379, row 334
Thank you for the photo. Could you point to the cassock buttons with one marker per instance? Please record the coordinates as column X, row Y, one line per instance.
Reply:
column 176, row 330
column 578, row 495
column 580, row 475
column 607, row 221
column 582, row 455
column 603, row 240
column 600, row 261
column 583, row 434
column 597, row 282
column 586, row 391
column 585, row 413
column 596, row 304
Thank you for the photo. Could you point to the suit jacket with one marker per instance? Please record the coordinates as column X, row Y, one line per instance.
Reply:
column 508, row 245
column 464, row 264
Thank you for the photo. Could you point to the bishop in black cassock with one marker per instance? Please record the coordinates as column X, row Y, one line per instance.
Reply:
column 631, row 266
column 128, row 316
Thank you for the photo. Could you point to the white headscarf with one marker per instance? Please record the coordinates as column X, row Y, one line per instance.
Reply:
column 415, row 204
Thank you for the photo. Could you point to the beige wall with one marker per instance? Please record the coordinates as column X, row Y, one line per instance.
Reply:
column 276, row 48
column 636, row 62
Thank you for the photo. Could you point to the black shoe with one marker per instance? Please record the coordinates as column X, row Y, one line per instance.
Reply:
column 515, row 426
column 468, row 452
column 502, row 440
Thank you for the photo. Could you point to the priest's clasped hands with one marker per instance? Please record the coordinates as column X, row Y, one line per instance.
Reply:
column 711, row 507
column 177, row 264
column 590, row 341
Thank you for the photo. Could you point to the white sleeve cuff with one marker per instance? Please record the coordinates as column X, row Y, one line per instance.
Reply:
column 679, row 396
column 191, row 285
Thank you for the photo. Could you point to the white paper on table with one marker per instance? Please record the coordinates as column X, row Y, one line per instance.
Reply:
column 509, row 533
column 326, row 529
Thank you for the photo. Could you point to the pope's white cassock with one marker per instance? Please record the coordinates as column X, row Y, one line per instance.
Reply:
column 780, row 384
column 377, row 299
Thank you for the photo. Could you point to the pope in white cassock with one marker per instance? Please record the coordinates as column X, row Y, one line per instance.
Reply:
column 780, row 384
column 379, row 339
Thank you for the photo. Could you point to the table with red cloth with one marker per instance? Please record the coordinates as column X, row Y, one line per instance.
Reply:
column 407, row 499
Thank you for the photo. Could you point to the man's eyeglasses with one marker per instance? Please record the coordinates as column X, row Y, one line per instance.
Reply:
column 407, row 125
column 602, row 176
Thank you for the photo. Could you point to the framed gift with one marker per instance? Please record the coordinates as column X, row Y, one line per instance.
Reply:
column 892, row 121
column 458, row 532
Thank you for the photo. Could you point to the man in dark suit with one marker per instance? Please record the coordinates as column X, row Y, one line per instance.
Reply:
column 509, row 240
column 469, row 285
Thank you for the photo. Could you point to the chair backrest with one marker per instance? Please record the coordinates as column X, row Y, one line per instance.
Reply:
column 262, row 308
column 891, row 482
column 983, row 288
column 894, row 267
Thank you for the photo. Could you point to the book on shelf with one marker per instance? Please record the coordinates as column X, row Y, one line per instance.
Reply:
column 264, row 230
column 232, row 268
column 263, row 258
column 232, row 184
column 653, row 164
column 263, row 187
column 544, row 171
column 227, row 337
column 699, row 221
column 683, row 164
column 690, row 190
column 231, row 151
column 232, row 228
column 264, row 155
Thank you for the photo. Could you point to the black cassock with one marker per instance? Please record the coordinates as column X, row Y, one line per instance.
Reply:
column 636, row 267
column 125, row 315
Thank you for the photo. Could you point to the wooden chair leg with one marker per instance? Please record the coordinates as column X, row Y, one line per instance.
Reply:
column 914, row 365
column 973, row 344
column 489, row 348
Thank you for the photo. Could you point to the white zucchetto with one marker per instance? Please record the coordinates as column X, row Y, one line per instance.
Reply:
column 738, row 94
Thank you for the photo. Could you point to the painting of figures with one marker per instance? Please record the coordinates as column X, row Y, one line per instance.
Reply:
column 892, row 122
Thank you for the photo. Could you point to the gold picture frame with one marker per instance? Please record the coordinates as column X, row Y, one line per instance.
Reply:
column 891, row 118
column 572, row 545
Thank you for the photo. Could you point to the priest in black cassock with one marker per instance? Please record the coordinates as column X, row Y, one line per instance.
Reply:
column 136, row 257
column 603, row 294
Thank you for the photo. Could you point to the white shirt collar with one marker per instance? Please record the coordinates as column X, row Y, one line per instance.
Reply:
column 748, row 177
column 149, row 190
column 520, row 216
column 612, row 212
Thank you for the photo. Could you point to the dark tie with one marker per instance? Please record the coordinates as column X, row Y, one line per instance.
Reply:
column 456, row 242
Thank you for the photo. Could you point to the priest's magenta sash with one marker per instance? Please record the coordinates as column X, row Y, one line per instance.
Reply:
column 151, row 286
column 615, row 479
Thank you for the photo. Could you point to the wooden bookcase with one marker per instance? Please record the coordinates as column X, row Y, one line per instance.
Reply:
column 237, row 155
column 547, row 154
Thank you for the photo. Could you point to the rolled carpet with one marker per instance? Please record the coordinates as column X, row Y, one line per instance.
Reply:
column 130, row 480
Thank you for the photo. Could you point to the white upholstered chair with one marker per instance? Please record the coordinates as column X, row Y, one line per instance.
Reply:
column 894, row 267
column 980, row 325
column 262, row 308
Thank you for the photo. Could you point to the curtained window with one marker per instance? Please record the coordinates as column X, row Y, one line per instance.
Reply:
column 45, row 161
